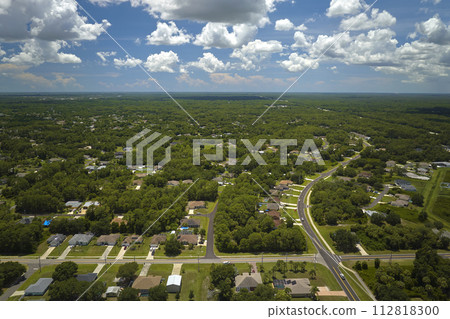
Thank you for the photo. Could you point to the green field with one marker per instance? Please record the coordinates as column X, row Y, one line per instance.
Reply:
column 198, row 251
column 437, row 199
column 196, row 278
column 91, row 250
column 139, row 249
column 163, row 270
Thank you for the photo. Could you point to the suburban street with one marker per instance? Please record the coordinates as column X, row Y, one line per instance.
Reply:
column 210, row 236
column 332, row 261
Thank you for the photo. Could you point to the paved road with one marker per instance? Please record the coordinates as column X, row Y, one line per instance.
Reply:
column 379, row 198
column 210, row 236
column 330, row 259
column 387, row 257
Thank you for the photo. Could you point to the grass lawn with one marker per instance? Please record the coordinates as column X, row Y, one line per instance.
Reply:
column 433, row 197
column 195, row 278
column 241, row 267
column 47, row 271
column 324, row 277
column 197, row 251
column 163, row 270
column 405, row 213
column 60, row 249
column 208, row 209
column 289, row 199
column 108, row 275
column 139, row 249
column 90, row 250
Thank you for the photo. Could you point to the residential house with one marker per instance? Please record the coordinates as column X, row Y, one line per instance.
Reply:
column 132, row 239
column 173, row 283
column 299, row 287
column 81, row 239
column 157, row 240
column 108, row 240
column 281, row 187
column 188, row 239
column 248, row 281
column 405, row 185
column 344, row 178
column 39, row 288
column 90, row 203
column 196, row 204
column 113, row 291
column 173, row 183
column 90, row 277
column 187, row 181
column 144, row 283
column 73, row 204
column 273, row 206
column 190, row 222
column 56, row 240
column 403, row 197
column 400, row 203
column 286, row 182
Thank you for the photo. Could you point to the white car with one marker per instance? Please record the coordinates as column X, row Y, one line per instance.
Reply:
column 226, row 262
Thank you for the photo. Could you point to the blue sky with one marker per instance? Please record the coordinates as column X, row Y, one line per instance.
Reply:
column 395, row 46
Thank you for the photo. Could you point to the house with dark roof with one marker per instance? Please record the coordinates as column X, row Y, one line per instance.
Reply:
column 56, row 240
column 81, row 239
column 405, row 185
column 190, row 222
column 248, row 281
column 39, row 288
column 108, row 240
column 299, row 287
column 90, row 277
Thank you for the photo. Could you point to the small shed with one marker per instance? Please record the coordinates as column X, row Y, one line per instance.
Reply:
column 173, row 283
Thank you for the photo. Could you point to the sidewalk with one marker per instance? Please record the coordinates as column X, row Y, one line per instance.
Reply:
column 176, row 269
column 65, row 253
column 121, row 253
column 48, row 252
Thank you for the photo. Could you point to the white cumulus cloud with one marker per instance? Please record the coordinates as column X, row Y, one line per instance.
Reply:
column 217, row 35
column 129, row 62
column 255, row 52
column 209, row 63
column 162, row 62
column 363, row 22
column 168, row 34
column 343, row 7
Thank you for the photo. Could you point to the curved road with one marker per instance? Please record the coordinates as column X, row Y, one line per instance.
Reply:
column 330, row 259
column 210, row 236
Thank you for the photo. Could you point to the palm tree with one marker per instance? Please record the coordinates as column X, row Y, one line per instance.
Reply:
column 313, row 291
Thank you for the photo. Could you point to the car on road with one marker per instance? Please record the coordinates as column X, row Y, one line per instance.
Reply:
column 303, row 219
column 342, row 276
column 226, row 262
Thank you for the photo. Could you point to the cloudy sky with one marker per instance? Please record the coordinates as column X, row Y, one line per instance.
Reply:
column 225, row 45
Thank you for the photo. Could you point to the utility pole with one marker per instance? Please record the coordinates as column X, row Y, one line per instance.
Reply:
column 39, row 263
